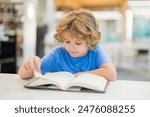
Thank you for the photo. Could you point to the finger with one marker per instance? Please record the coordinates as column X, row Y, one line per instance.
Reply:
column 31, row 64
column 37, row 63
column 26, row 65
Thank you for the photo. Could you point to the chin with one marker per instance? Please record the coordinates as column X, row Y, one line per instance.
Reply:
column 75, row 55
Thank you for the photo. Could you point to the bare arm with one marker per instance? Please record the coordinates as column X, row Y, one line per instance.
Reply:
column 27, row 69
column 108, row 71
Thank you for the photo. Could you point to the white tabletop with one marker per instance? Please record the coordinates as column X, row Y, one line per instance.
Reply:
column 12, row 88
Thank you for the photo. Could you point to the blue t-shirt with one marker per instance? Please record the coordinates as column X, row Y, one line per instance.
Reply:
column 60, row 60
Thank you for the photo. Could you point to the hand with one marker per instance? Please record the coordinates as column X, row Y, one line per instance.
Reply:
column 33, row 64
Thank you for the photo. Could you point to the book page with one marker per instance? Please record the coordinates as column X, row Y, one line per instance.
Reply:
column 89, row 81
column 59, row 79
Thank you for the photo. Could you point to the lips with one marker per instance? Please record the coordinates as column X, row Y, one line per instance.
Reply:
column 74, row 52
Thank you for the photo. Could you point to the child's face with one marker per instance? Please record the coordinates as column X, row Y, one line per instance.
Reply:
column 75, row 47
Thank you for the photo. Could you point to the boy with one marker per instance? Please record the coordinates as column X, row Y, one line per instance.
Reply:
column 79, row 32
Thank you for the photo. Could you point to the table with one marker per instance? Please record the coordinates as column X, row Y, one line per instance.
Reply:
column 12, row 88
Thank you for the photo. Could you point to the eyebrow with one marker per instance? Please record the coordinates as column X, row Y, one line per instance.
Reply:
column 66, row 39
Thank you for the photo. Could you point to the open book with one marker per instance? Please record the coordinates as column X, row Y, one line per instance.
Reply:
column 67, row 81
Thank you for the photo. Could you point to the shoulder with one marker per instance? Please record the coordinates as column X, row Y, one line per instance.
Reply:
column 59, row 51
column 98, row 48
column 55, row 53
column 100, row 51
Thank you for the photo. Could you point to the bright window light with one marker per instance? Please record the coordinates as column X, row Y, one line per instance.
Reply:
column 30, row 11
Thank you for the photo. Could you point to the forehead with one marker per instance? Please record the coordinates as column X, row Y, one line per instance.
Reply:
column 68, row 36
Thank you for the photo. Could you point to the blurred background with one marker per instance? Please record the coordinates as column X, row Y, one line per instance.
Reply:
column 27, row 27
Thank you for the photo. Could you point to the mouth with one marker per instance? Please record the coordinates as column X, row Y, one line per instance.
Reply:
column 73, row 52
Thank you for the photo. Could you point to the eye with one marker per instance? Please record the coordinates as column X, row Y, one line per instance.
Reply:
column 78, row 43
column 67, row 42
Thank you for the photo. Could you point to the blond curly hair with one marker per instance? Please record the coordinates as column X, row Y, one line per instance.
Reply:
column 80, row 24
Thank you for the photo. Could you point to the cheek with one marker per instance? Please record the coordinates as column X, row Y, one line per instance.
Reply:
column 83, row 48
column 66, row 46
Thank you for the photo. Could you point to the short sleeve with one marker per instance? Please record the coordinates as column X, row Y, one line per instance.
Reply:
column 47, row 62
column 101, row 56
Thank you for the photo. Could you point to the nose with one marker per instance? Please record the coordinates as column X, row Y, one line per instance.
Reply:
column 72, row 45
